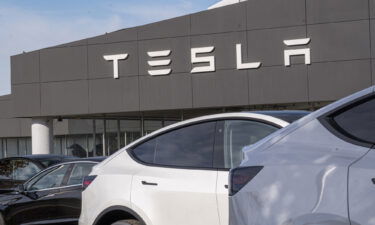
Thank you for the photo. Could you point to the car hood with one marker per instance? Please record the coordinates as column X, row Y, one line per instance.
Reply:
column 10, row 197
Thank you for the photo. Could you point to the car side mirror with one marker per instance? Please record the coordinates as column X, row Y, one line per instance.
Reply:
column 21, row 188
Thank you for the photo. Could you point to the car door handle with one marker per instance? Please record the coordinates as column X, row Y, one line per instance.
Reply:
column 226, row 186
column 147, row 183
column 373, row 180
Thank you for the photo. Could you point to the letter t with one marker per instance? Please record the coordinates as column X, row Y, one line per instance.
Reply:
column 115, row 59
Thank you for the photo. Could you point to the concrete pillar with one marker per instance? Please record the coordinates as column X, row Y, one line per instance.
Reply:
column 42, row 135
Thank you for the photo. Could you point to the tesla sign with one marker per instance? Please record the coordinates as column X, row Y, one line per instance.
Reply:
column 160, row 60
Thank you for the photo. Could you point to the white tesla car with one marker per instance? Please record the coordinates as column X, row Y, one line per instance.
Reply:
column 177, row 175
column 319, row 170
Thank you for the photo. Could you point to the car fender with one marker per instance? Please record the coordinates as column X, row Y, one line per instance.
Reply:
column 118, row 208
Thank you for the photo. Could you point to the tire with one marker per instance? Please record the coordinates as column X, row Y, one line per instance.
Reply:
column 125, row 222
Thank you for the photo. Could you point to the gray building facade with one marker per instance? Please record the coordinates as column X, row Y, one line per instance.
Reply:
column 330, row 46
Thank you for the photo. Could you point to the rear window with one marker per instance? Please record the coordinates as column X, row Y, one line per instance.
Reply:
column 79, row 172
column 24, row 169
column 17, row 169
column 357, row 121
column 5, row 170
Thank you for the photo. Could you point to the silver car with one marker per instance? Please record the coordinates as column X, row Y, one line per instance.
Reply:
column 320, row 170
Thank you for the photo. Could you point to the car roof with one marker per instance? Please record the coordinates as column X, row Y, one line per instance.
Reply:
column 47, row 156
column 256, row 115
column 41, row 156
column 38, row 159
column 47, row 160
column 90, row 159
column 220, row 116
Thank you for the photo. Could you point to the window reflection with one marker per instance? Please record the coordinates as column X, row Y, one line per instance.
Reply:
column 24, row 169
column 79, row 172
column 17, row 169
column 5, row 170
column 240, row 133
column 51, row 180
column 77, row 145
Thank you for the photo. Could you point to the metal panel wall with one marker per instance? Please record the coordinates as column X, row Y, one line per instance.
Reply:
column 74, row 79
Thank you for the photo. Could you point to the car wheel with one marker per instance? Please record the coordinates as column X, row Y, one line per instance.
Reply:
column 125, row 222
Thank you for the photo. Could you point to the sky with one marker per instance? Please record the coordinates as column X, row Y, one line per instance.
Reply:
column 28, row 25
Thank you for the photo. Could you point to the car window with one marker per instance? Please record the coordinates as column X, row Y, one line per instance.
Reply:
column 80, row 170
column 51, row 179
column 146, row 151
column 5, row 170
column 37, row 177
column 241, row 133
column 190, row 146
column 24, row 169
column 358, row 121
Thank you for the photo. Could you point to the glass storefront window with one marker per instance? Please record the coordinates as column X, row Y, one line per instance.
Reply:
column 29, row 146
column 98, row 145
column 22, row 146
column 83, row 126
column 99, row 136
column 130, row 130
column 152, row 125
column 90, row 145
column 170, row 122
column 112, row 137
column 59, row 145
column 77, row 145
column 99, row 126
column 1, row 148
column 12, row 147
column 131, row 136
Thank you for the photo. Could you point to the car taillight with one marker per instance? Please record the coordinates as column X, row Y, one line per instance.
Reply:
column 87, row 181
column 240, row 176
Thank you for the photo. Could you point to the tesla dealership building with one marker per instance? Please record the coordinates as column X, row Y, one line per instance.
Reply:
column 98, row 94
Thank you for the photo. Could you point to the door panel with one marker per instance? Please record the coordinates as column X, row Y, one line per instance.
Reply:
column 36, row 206
column 69, row 197
column 68, row 202
column 40, row 202
column 176, row 196
column 362, row 190
column 179, row 186
column 222, row 196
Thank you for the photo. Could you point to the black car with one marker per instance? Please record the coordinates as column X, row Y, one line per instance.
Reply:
column 16, row 170
column 53, row 196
